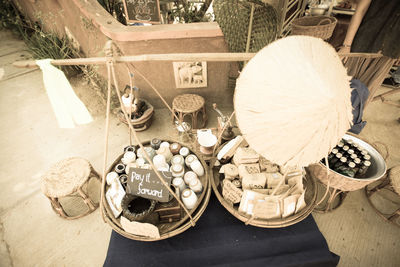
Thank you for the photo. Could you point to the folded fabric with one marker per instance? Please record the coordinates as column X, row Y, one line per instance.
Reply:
column 359, row 96
column 68, row 108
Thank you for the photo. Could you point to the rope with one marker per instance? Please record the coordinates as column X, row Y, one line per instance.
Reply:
column 130, row 106
column 103, row 181
column 329, row 181
column 228, row 122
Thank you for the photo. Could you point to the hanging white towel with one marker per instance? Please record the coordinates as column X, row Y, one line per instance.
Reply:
column 67, row 107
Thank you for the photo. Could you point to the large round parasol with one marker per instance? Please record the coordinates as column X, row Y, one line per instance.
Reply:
column 292, row 101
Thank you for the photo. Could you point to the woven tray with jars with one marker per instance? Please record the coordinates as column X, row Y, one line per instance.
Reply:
column 258, row 192
column 138, row 206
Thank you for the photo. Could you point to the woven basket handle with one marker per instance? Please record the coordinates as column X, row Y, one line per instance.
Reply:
column 319, row 23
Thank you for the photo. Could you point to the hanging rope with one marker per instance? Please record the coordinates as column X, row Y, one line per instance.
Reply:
column 110, row 66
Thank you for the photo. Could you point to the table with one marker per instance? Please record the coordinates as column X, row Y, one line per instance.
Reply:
column 219, row 239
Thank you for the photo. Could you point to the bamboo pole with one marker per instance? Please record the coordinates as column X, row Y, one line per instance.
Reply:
column 216, row 57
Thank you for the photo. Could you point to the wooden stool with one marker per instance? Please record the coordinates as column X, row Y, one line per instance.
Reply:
column 192, row 105
column 67, row 179
column 391, row 183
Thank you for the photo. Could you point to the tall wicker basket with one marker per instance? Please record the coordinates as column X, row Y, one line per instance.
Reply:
column 166, row 229
column 317, row 26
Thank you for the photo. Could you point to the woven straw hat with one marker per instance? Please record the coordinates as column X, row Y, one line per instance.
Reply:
column 292, row 101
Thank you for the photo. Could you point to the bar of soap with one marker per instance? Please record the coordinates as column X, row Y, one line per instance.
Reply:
column 273, row 179
column 245, row 169
column 254, row 180
column 230, row 171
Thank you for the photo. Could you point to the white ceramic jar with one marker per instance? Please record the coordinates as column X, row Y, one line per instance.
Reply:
column 189, row 198
column 164, row 144
column 189, row 159
column 179, row 183
column 196, row 185
column 184, row 151
column 129, row 157
column 111, row 177
column 177, row 170
column 178, row 159
column 189, row 176
column 165, row 152
column 160, row 162
column 197, row 167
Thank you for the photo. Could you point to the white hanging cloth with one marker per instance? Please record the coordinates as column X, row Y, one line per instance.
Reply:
column 68, row 108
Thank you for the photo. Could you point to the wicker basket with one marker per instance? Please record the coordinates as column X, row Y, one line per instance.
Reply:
column 143, row 122
column 166, row 229
column 345, row 183
column 317, row 26
column 310, row 199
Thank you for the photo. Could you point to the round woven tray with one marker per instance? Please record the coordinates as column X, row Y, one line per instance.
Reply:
column 317, row 26
column 166, row 229
column 310, row 199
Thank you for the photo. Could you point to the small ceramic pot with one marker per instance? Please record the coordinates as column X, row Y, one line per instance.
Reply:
column 178, row 159
column 129, row 157
column 150, row 152
column 111, row 177
column 177, row 170
column 189, row 159
column 155, row 143
column 165, row 152
column 179, row 183
column 175, row 147
column 160, row 162
column 164, row 144
column 197, row 167
column 196, row 185
column 184, row 151
column 120, row 168
column 130, row 149
column 189, row 198
column 189, row 176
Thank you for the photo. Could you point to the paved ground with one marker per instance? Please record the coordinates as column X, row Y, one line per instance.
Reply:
column 30, row 140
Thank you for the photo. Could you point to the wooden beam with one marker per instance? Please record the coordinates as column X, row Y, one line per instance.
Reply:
column 213, row 57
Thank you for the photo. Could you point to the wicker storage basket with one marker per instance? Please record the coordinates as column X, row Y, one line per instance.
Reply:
column 166, row 229
column 336, row 180
column 317, row 26
column 310, row 199
column 143, row 122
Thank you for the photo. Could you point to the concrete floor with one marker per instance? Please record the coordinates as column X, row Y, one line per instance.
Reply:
column 30, row 140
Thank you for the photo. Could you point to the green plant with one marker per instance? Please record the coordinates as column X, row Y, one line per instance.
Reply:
column 187, row 12
column 40, row 43
column 115, row 8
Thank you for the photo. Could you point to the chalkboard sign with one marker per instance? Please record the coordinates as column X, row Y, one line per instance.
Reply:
column 145, row 11
column 145, row 183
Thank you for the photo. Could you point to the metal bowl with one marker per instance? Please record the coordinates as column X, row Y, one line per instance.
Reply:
column 317, row 11
column 336, row 180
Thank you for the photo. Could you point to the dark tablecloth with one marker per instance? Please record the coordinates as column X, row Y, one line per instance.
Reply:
column 219, row 239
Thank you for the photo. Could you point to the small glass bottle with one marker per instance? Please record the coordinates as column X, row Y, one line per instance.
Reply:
column 332, row 154
column 335, row 159
column 342, row 162
column 363, row 169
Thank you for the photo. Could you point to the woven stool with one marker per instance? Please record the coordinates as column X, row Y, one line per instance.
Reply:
column 191, row 105
column 391, row 183
column 67, row 178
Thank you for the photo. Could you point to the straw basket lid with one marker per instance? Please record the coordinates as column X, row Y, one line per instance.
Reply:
column 65, row 177
column 394, row 176
column 292, row 101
